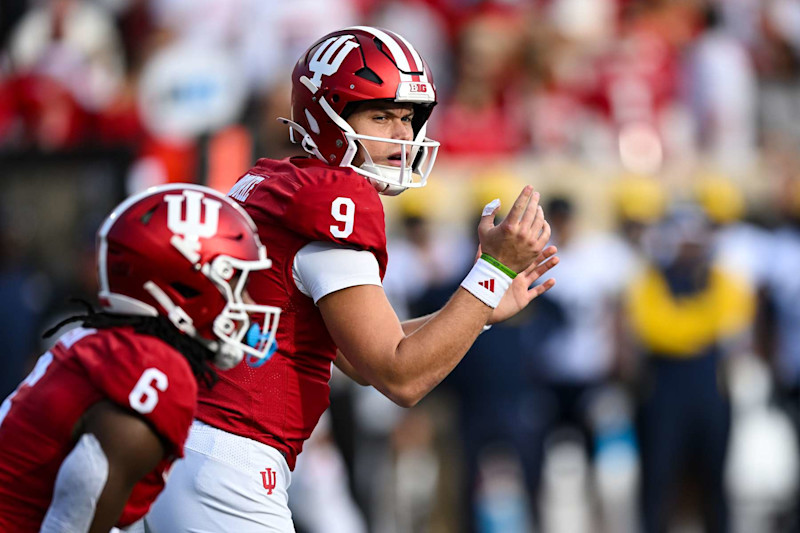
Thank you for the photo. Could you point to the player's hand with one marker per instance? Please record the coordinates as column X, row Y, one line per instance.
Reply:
column 518, row 241
column 520, row 294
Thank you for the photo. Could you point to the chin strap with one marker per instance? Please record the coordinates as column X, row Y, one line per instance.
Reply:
column 306, row 142
column 227, row 356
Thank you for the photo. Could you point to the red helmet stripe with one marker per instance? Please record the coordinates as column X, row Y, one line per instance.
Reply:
column 409, row 49
column 413, row 58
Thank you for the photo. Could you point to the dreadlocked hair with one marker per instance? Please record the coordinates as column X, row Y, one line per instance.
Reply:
column 194, row 351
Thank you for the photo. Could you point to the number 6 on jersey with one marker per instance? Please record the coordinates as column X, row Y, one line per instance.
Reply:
column 343, row 210
column 144, row 395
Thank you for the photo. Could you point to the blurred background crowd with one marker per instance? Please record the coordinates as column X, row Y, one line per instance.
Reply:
column 655, row 388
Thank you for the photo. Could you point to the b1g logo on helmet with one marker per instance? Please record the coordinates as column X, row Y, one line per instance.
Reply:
column 192, row 223
column 329, row 57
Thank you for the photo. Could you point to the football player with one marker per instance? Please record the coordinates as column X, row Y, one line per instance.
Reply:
column 361, row 99
column 87, row 439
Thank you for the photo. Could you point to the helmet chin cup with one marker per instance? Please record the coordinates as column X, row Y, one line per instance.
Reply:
column 227, row 356
column 390, row 185
column 386, row 189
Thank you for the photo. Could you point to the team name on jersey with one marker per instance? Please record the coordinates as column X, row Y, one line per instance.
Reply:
column 242, row 189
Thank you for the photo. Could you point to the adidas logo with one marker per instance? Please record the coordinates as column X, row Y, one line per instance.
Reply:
column 488, row 284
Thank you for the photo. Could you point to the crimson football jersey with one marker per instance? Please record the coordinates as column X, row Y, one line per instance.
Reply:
column 293, row 202
column 140, row 373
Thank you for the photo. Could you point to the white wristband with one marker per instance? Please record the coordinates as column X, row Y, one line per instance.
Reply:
column 487, row 283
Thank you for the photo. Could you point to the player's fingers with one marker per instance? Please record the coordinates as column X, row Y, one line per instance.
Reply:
column 537, row 271
column 520, row 203
column 541, row 269
column 532, row 212
column 545, row 235
column 538, row 223
column 487, row 216
column 547, row 253
column 541, row 289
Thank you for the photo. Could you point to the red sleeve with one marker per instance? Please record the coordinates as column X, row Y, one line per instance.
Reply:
column 143, row 374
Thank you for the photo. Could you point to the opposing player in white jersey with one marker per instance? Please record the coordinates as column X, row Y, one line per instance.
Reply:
column 87, row 440
column 361, row 98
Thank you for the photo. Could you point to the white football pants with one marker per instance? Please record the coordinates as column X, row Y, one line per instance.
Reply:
column 226, row 483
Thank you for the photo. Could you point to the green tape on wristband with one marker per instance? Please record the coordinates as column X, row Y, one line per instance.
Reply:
column 499, row 266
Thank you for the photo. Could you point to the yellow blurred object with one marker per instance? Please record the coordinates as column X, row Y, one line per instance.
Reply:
column 423, row 202
column 684, row 326
column 720, row 198
column 639, row 198
column 502, row 184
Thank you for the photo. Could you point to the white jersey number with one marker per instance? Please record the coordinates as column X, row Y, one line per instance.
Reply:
column 343, row 210
column 144, row 396
column 35, row 375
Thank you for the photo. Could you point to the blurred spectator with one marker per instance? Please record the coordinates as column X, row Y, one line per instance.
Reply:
column 409, row 501
column 39, row 112
column 684, row 313
column 565, row 41
column 722, row 88
column 763, row 463
column 782, row 335
column 637, row 203
column 260, row 40
column 777, row 56
column 481, row 115
column 321, row 498
column 734, row 238
column 506, row 411
column 74, row 42
column 638, row 84
column 571, row 345
column 262, row 36
column 67, row 86
column 579, row 346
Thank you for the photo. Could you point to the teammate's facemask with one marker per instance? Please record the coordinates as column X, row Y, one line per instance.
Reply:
column 186, row 251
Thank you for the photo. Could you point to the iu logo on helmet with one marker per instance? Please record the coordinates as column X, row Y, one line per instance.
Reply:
column 324, row 63
column 192, row 223
column 269, row 479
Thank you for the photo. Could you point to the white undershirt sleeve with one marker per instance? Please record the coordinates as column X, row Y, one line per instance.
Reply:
column 79, row 483
column 320, row 268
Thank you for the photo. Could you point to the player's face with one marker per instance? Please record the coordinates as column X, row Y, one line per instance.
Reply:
column 383, row 119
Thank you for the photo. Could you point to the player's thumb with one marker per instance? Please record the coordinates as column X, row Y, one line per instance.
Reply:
column 487, row 217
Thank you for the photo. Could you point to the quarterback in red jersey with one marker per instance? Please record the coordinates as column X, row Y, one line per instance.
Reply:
column 87, row 439
column 361, row 99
